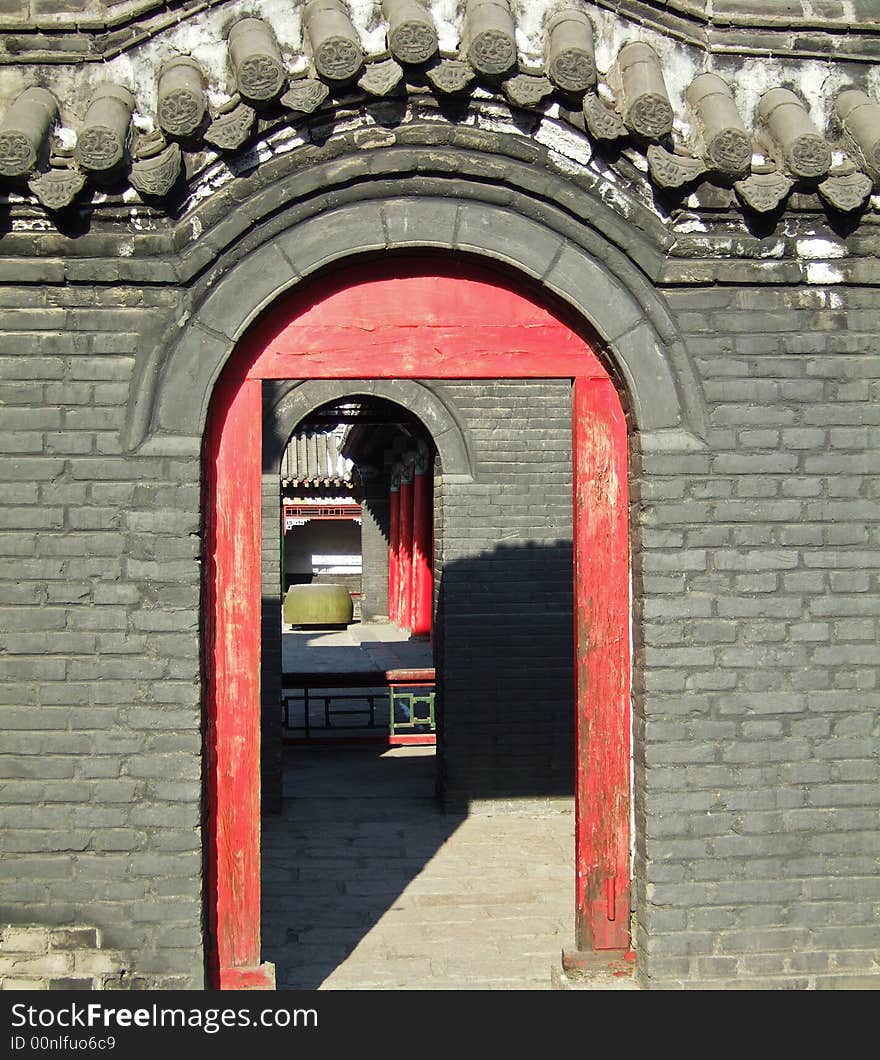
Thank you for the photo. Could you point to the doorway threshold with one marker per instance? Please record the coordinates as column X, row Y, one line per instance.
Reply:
column 595, row 970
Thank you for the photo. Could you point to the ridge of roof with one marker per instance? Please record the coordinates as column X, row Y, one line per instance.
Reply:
column 805, row 129
column 98, row 30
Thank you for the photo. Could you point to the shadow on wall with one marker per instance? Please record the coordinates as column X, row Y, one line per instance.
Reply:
column 505, row 666
column 357, row 827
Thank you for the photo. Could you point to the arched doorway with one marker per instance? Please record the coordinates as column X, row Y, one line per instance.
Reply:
column 406, row 319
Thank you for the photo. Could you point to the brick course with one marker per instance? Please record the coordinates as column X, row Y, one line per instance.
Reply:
column 755, row 674
column 755, row 661
column 101, row 703
column 505, row 618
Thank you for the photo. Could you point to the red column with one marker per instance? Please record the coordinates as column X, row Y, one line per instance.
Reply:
column 422, row 548
column 602, row 794
column 233, row 742
column 406, row 542
column 394, row 550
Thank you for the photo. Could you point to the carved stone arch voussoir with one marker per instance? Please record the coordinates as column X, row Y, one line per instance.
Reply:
column 171, row 389
column 295, row 401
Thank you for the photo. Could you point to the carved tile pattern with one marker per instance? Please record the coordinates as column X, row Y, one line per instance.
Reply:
column 99, row 148
column 57, row 188
column 527, row 91
column 180, row 112
column 573, row 70
column 847, row 191
column 763, row 192
column 671, row 171
column 493, row 52
column 305, row 95
column 413, row 42
column 260, row 77
column 603, row 123
column 650, row 116
column 156, row 175
column 17, row 155
column 230, row 131
column 809, row 156
column 381, row 79
column 450, row 76
column 730, row 151
column 338, row 59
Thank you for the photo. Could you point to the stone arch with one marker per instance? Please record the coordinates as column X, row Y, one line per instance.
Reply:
column 635, row 331
column 286, row 403
column 293, row 402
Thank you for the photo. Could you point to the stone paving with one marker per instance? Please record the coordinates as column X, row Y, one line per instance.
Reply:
column 367, row 884
column 360, row 646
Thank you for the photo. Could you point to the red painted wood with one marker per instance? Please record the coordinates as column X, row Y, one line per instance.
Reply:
column 423, row 588
column 394, row 555
column 469, row 324
column 449, row 293
column 405, row 553
column 411, row 739
column 413, row 320
column 234, row 527
column 602, row 652
column 497, row 352
column 423, row 675
column 259, row 978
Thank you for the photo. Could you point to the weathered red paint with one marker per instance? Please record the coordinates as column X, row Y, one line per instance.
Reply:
column 424, row 676
column 412, row 319
column 498, row 352
column 233, row 647
column 422, row 589
column 602, row 653
column 405, row 556
column 326, row 513
column 260, row 978
column 394, row 555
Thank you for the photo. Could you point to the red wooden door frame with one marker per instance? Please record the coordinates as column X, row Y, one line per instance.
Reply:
column 415, row 320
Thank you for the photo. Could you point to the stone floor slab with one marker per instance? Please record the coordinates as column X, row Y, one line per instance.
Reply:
column 368, row 884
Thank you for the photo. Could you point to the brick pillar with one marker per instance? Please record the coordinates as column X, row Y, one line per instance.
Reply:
column 394, row 547
column 404, row 612
column 375, row 549
column 422, row 588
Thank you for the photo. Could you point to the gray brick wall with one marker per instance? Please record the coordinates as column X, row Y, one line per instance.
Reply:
column 74, row 958
column 757, row 662
column 99, row 641
column 504, row 606
column 375, row 512
column 755, row 591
